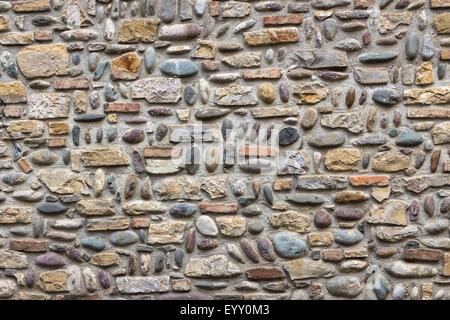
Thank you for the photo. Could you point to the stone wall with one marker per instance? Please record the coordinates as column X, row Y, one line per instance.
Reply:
column 157, row 149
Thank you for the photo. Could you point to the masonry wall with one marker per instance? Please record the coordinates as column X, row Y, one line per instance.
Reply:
column 158, row 149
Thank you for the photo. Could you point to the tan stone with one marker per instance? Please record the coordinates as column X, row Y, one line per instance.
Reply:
column 138, row 207
column 166, row 232
column 390, row 161
column 307, row 269
column 380, row 194
column 43, row 61
column 436, row 95
column 137, row 30
column 53, row 281
column 425, row 74
column 62, row 181
column 271, row 36
column 104, row 156
column 4, row 23
column 310, row 93
column 126, row 67
column 205, row 50
column 16, row 38
column 231, row 226
column 342, row 159
column 13, row 92
column 391, row 20
column 48, row 105
column 163, row 166
column 31, row 6
column 15, row 214
column 318, row 239
column 391, row 212
column 441, row 23
column 446, row 271
column 75, row 15
column 215, row 186
column 271, row 112
column 58, row 128
column 96, row 207
column 10, row 259
column 441, row 133
column 211, row 267
column 108, row 224
column 182, row 187
column 79, row 101
column 105, row 259
column 291, row 220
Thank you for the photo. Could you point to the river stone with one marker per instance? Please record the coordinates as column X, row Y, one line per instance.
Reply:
column 182, row 210
column 412, row 46
column 206, row 226
column 287, row 136
column 348, row 238
column 322, row 219
column 123, row 238
column 387, row 96
column 50, row 259
column 179, row 67
column 409, row 139
column 344, row 286
column 51, row 207
column 94, row 243
column 327, row 140
column 289, row 247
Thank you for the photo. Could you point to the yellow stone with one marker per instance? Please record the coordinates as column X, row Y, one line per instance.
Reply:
column 441, row 23
column 425, row 74
column 96, row 207
column 391, row 212
column 105, row 259
column 104, row 156
column 15, row 215
column 4, row 23
column 13, row 92
column 112, row 118
column 53, row 281
column 205, row 50
column 79, row 101
column 318, row 239
column 136, row 30
column 58, row 128
column 291, row 220
column 166, row 232
column 446, row 264
column 390, row 161
column 342, row 159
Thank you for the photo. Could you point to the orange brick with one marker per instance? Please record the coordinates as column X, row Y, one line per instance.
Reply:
column 282, row 184
column 445, row 54
column 219, row 207
column 140, row 223
column 365, row 181
column 252, row 151
column 283, row 20
column 56, row 142
column 162, row 152
column 25, row 165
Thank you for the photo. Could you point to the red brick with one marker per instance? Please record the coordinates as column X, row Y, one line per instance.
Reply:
column 28, row 245
column 140, row 222
column 125, row 107
column 43, row 35
column 71, row 83
column 219, row 207
column 445, row 54
column 422, row 254
column 265, row 273
column 368, row 181
column 214, row 8
column 283, row 20
column 333, row 255
column 255, row 151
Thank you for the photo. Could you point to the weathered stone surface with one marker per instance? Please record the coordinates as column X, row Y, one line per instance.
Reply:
column 352, row 121
column 98, row 157
column 137, row 30
column 441, row 133
column 10, row 259
column 436, row 95
column 320, row 58
column 166, row 232
column 342, row 159
column 291, row 220
column 391, row 212
column 211, row 267
column 407, row 270
column 49, row 105
column 271, row 36
column 157, row 90
column 310, row 93
column 43, row 61
column 390, row 161
column 13, row 92
column 63, row 181
column 308, row 269
column 146, row 284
